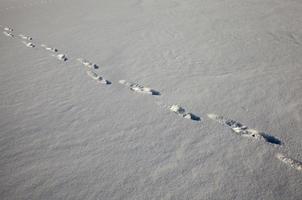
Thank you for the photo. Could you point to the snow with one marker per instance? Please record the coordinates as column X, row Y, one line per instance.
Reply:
column 64, row 135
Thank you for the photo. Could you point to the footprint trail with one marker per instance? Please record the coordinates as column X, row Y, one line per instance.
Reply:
column 243, row 130
column 29, row 44
column 235, row 126
column 290, row 162
column 8, row 34
column 139, row 88
column 51, row 49
column 62, row 57
column 182, row 112
column 98, row 78
column 87, row 63
column 8, row 29
column 24, row 37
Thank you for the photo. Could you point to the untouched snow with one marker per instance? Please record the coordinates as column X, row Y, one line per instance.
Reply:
column 226, row 68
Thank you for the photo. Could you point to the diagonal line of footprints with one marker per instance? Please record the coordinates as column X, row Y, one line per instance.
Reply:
column 235, row 126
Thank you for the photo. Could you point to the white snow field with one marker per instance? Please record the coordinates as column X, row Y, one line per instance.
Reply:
column 150, row 100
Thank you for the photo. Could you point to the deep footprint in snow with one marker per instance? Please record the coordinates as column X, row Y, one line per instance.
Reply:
column 289, row 161
column 24, row 37
column 49, row 48
column 139, row 88
column 8, row 29
column 29, row 44
column 98, row 78
column 8, row 34
column 62, row 57
column 182, row 112
column 87, row 63
column 243, row 130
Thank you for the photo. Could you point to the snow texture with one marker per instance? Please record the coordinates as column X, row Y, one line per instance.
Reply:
column 65, row 136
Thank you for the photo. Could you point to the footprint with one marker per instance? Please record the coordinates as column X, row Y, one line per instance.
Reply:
column 29, row 44
column 182, row 112
column 98, row 78
column 87, row 63
column 49, row 48
column 62, row 57
column 243, row 130
column 139, row 88
column 24, row 37
column 8, row 29
column 289, row 161
column 177, row 109
column 8, row 34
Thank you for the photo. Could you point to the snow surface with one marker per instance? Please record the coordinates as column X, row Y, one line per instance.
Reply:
column 64, row 135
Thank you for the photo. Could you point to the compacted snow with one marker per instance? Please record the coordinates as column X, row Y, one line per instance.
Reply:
column 151, row 99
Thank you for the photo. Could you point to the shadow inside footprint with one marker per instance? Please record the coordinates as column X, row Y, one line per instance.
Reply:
column 192, row 117
column 156, row 93
column 195, row 117
column 271, row 139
